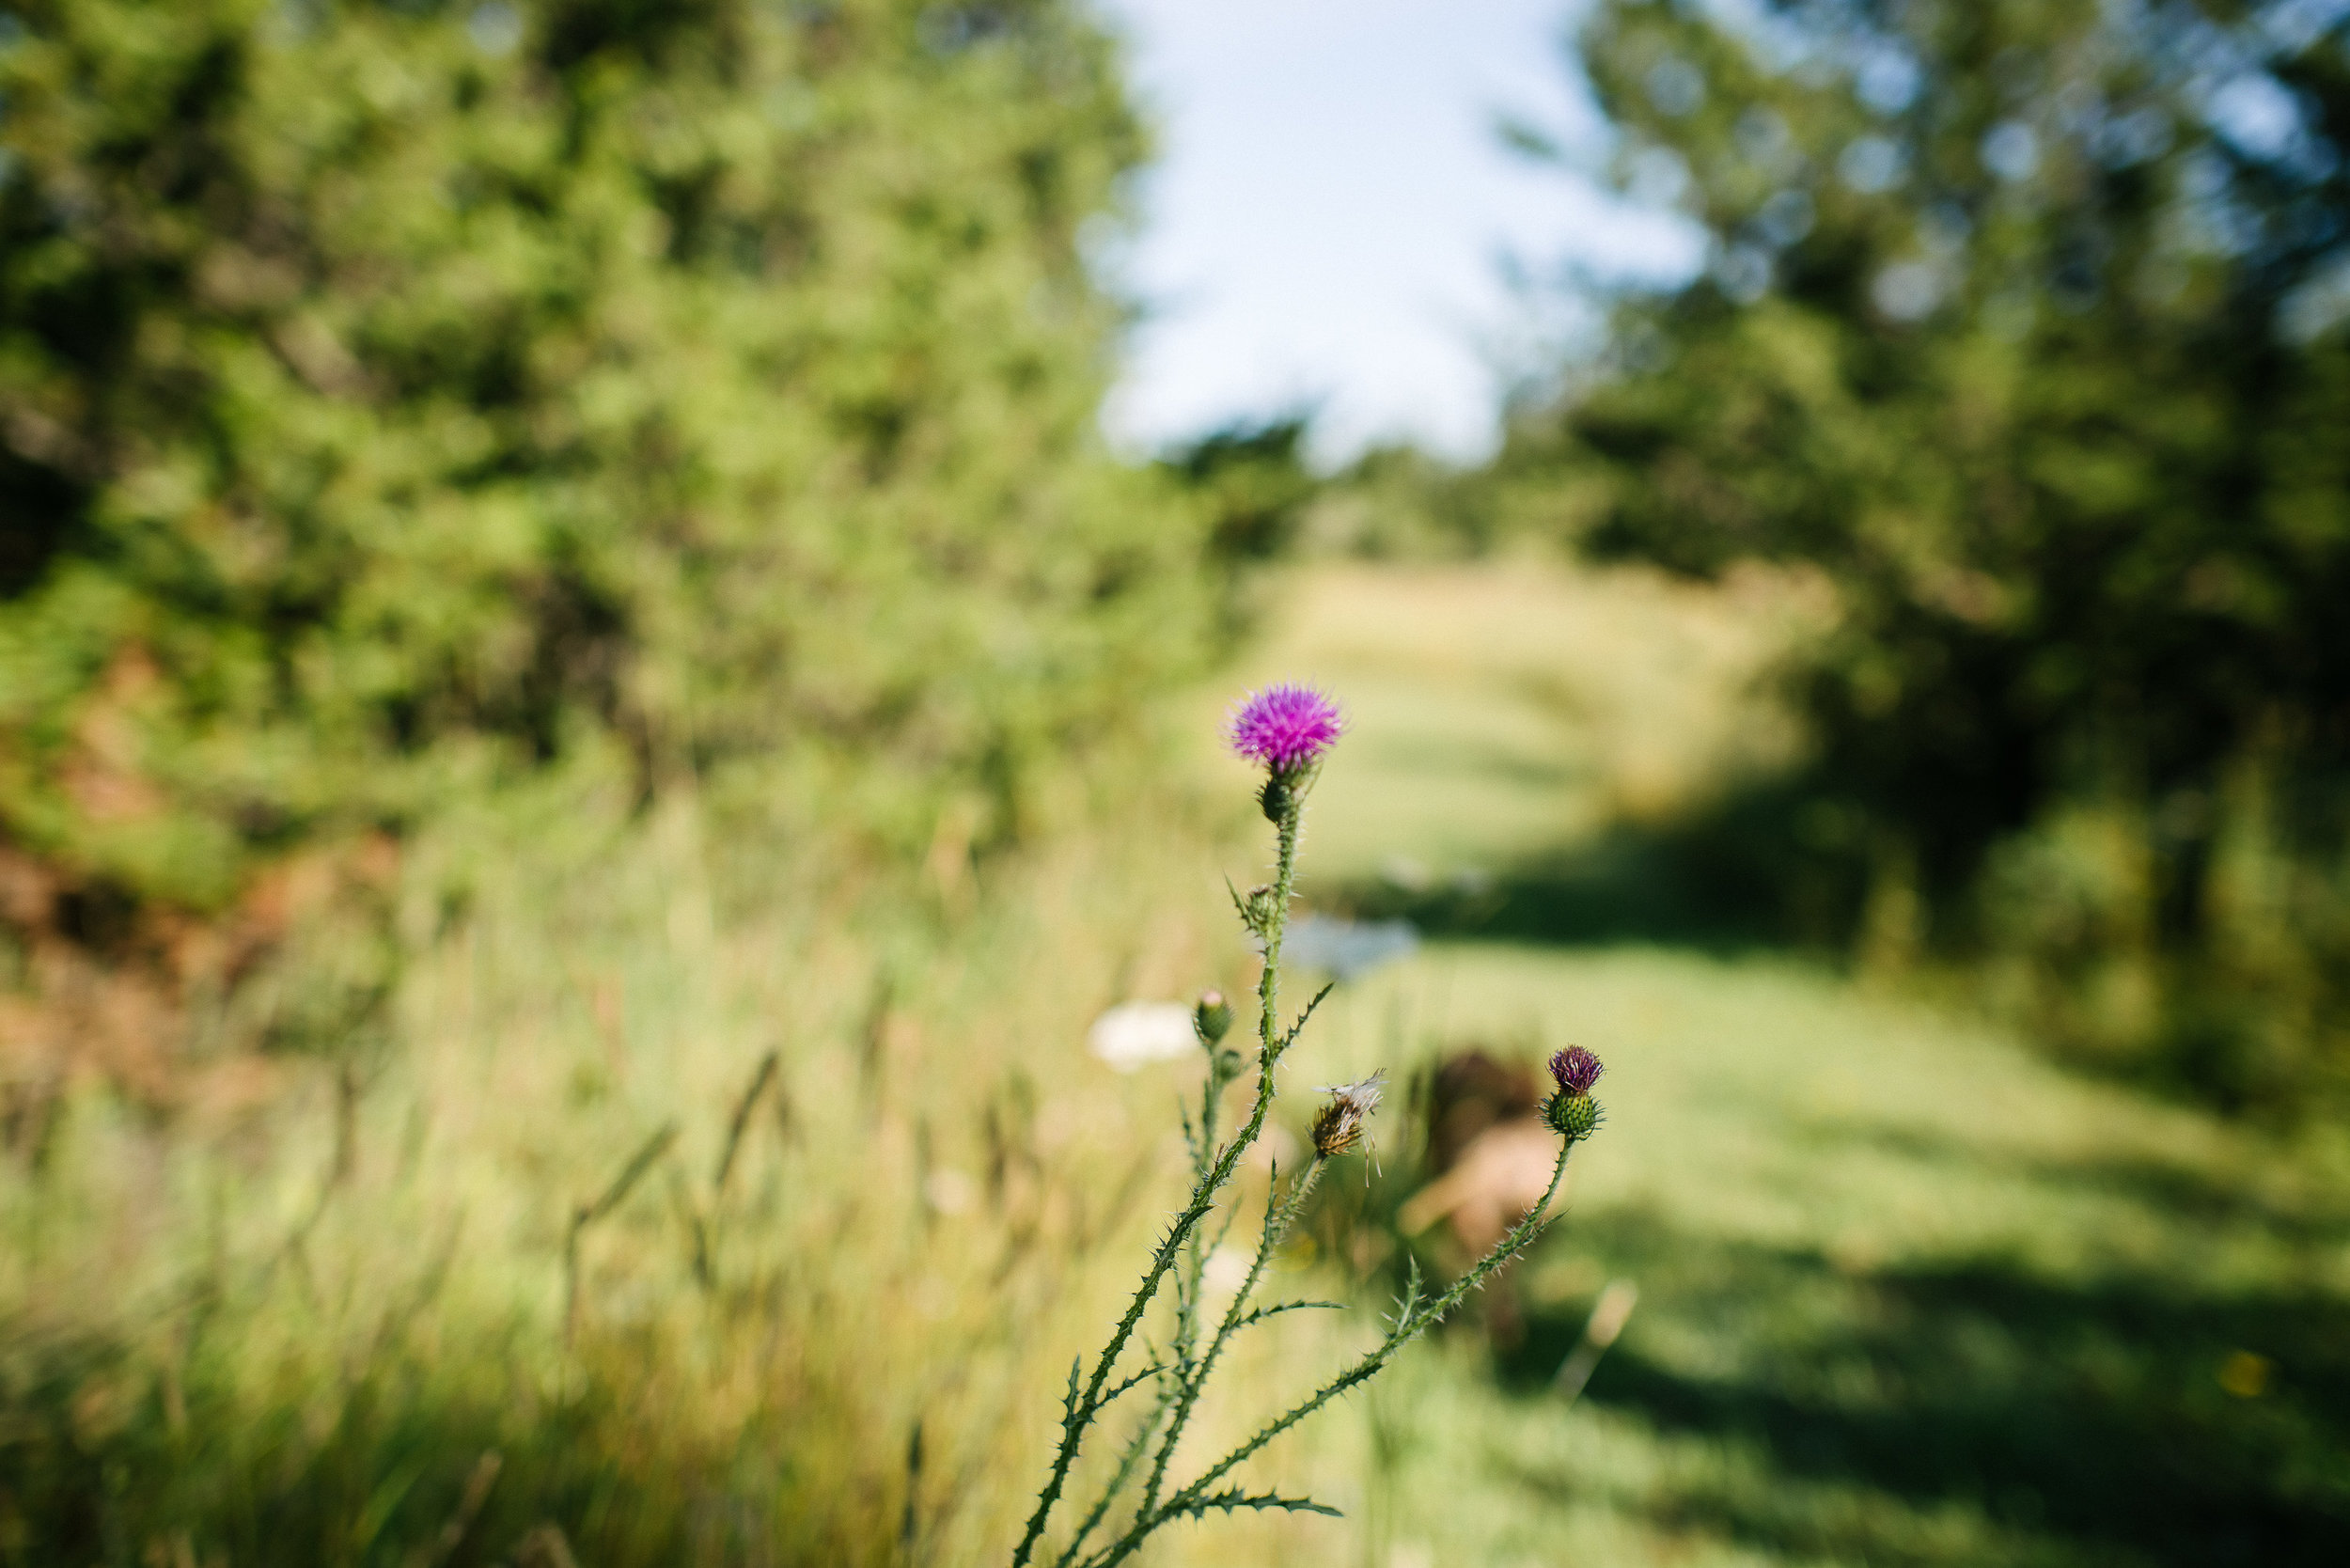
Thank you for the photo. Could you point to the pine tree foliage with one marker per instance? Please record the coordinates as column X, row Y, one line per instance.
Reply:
column 2027, row 324
column 396, row 393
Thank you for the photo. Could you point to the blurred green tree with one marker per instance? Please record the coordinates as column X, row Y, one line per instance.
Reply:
column 2025, row 323
column 1253, row 478
column 395, row 393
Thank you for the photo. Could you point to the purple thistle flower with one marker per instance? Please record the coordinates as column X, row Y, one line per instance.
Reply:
column 1577, row 1071
column 1285, row 726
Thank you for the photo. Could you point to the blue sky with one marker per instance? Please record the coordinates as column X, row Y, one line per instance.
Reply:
column 1326, row 219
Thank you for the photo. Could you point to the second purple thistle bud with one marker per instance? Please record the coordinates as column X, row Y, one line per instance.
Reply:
column 1577, row 1071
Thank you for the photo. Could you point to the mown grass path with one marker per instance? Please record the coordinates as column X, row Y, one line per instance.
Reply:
column 1909, row 1291
column 1909, row 1294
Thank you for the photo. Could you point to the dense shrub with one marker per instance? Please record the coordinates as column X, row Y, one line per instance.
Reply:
column 2024, row 325
column 395, row 394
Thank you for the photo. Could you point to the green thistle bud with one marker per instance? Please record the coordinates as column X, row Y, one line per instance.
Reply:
column 1572, row 1117
column 1275, row 798
column 1213, row 1017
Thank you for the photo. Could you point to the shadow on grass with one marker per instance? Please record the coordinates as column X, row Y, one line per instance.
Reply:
column 2313, row 1218
column 2085, row 1421
column 1764, row 868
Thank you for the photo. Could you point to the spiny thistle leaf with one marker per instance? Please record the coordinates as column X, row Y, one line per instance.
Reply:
column 1258, row 1314
column 1228, row 1502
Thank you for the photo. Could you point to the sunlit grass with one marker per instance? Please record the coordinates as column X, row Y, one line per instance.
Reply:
column 1908, row 1292
column 294, row 1329
column 1503, row 709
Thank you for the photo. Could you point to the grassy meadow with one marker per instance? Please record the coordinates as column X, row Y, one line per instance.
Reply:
column 561, row 1271
column 1907, row 1292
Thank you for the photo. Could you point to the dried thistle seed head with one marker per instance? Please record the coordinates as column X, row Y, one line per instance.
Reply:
column 1576, row 1069
column 1572, row 1117
column 1213, row 1017
column 1339, row 1125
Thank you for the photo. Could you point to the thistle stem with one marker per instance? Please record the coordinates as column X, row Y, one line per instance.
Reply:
column 1280, row 1214
column 1080, row 1413
column 1412, row 1322
column 1182, row 1373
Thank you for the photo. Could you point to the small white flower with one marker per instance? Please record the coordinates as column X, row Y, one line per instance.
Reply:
column 1133, row 1034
